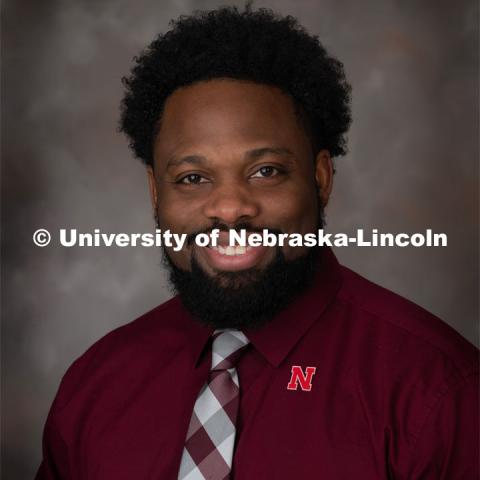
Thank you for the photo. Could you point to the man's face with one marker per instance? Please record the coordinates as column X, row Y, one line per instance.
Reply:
column 231, row 153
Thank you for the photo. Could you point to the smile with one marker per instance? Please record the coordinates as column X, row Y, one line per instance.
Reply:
column 233, row 258
column 231, row 251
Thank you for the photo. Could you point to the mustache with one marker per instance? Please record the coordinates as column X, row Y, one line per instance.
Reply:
column 225, row 228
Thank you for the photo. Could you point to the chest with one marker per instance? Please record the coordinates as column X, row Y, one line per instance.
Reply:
column 291, row 424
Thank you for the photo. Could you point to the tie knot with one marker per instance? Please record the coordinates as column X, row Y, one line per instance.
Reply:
column 227, row 348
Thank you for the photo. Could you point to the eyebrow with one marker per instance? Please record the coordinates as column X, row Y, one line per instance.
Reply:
column 190, row 159
column 257, row 153
column 254, row 154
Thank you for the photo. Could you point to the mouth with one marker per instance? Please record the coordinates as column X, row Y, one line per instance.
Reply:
column 228, row 258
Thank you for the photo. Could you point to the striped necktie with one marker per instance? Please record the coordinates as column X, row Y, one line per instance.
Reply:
column 208, row 450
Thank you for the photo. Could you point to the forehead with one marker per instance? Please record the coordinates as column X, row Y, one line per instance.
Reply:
column 229, row 112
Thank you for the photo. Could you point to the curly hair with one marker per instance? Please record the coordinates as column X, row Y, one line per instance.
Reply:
column 258, row 46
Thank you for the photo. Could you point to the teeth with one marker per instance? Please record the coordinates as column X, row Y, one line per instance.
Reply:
column 231, row 251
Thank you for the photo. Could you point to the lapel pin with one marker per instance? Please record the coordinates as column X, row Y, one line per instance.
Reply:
column 299, row 377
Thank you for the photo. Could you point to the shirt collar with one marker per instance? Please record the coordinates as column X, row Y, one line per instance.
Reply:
column 278, row 337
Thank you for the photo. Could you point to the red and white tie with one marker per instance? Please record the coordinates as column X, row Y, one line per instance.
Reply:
column 210, row 438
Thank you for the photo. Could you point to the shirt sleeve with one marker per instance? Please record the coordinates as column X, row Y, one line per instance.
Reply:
column 54, row 464
column 56, row 461
column 448, row 446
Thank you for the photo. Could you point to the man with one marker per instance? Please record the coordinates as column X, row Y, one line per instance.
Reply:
column 272, row 362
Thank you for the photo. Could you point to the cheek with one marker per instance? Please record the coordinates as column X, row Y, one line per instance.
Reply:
column 294, row 210
column 178, row 213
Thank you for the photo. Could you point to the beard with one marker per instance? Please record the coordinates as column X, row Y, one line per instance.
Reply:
column 245, row 299
column 242, row 299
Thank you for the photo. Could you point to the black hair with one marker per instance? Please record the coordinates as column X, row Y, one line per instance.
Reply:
column 253, row 45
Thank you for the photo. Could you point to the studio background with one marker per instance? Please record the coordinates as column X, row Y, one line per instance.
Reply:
column 412, row 165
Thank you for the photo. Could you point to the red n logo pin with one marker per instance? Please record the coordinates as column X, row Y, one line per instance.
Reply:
column 300, row 378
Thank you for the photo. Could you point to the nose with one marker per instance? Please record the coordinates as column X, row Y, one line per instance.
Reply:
column 231, row 204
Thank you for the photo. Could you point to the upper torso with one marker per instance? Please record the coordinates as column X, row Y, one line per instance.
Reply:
column 389, row 378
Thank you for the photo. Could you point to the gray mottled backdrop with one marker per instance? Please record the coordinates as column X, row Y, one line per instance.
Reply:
column 412, row 165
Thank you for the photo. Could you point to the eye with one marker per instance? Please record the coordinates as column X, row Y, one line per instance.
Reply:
column 267, row 171
column 192, row 179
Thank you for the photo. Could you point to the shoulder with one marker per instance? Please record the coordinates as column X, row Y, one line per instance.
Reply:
column 404, row 327
column 142, row 332
column 408, row 362
column 148, row 338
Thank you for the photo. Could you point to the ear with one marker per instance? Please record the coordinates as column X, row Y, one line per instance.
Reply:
column 152, row 186
column 324, row 175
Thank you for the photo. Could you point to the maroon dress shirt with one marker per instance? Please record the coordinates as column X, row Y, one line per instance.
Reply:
column 349, row 382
